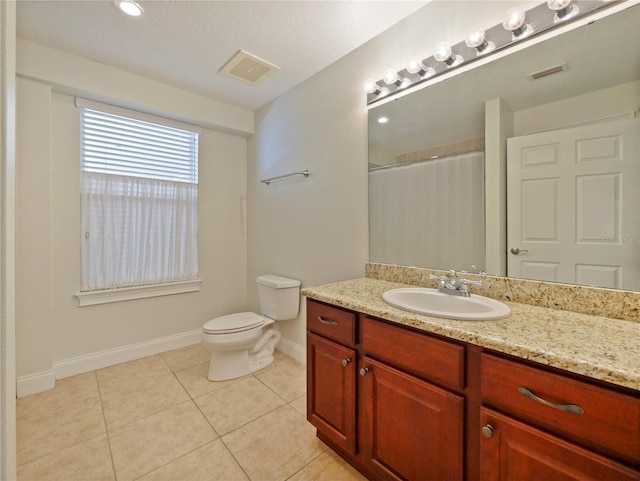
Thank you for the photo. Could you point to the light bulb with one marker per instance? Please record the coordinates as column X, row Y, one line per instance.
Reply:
column 371, row 87
column 558, row 4
column 390, row 76
column 479, row 41
column 564, row 9
column 515, row 19
column 415, row 66
column 443, row 52
column 515, row 23
column 129, row 7
column 475, row 40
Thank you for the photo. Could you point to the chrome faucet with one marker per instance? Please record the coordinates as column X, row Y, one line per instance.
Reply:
column 454, row 286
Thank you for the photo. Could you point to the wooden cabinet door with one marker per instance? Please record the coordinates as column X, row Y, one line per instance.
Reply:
column 331, row 390
column 514, row 451
column 411, row 430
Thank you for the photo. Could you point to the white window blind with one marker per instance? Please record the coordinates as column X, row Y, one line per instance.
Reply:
column 112, row 144
column 139, row 202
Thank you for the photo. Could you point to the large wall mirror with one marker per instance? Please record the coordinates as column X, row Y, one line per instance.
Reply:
column 527, row 166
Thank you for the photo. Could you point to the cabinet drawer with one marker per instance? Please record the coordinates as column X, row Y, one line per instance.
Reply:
column 413, row 352
column 332, row 322
column 599, row 418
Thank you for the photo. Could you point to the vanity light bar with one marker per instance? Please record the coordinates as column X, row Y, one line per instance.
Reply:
column 516, row 26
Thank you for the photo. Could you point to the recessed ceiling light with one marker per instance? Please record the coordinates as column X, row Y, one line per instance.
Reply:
column 383, row 120
column 130, row 7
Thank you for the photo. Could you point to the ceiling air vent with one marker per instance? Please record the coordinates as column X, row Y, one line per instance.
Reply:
column 248, row 68
column 548, row 71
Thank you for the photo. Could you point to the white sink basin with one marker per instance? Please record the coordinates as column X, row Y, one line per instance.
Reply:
column 430, row 302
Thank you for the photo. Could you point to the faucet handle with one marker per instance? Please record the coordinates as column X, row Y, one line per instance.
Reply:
column 466, row 282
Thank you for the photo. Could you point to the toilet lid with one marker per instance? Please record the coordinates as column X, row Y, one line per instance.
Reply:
column 238, row 322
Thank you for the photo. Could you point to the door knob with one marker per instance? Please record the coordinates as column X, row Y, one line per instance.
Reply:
column 487, row 431
column 516, row 251
column 364, row 371
column 346, row 362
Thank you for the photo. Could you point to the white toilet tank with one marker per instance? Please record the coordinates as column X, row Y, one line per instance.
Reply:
column 279, row 296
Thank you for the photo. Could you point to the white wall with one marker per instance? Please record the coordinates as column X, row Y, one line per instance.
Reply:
column 55, row 337
column 316, row 229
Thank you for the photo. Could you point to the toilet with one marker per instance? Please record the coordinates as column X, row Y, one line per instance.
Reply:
column 244, row 342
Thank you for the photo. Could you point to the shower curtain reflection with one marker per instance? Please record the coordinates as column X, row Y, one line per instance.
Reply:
column 429, row 213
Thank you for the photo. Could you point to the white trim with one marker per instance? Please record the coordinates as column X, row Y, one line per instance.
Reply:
column 137, row 292
column 7, row 241
column 291, row 349
column 135, row 114
column 35, row 383
column 111, row 357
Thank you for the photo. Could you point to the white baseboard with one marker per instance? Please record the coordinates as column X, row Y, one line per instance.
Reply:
column 291, row 349
column 111, row 357
column 35, row 383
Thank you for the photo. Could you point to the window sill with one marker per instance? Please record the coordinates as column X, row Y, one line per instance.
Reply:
column 138, row 292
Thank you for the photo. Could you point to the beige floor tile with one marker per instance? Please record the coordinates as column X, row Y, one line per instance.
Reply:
column 237, row 404
column 195, row 381
column 46, row 433
column 124, row 406
column 275, row 446
column 67, row 391
column 131, row 373
column 89, row 460
column 328, row 467
column 208, row 463
column 156, row 440
column 286, row 377
column 187, row 357
column 300, row 405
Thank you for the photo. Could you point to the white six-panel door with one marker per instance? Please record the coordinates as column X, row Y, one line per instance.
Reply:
column 573, row 208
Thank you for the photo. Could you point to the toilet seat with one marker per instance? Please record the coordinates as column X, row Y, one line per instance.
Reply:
column 238, row 322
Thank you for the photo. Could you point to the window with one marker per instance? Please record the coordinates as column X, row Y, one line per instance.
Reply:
column 139, row 200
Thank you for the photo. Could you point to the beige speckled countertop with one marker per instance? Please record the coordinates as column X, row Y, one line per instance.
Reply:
column 598, row 347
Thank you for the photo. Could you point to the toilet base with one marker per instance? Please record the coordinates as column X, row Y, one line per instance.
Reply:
column 230, row 364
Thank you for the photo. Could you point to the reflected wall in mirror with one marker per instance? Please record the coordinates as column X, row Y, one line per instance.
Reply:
column 559, row 153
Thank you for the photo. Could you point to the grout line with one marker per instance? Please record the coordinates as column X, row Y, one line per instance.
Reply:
column 106, row 431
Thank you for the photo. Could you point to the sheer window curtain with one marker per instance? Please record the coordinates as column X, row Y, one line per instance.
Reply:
column 137, row 231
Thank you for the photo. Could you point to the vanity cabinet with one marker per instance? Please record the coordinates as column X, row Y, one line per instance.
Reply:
column 369, row 395
column 573, row 414
column 400, row 404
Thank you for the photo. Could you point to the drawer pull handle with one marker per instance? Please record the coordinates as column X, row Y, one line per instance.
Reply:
column 364, row 371
column 570, row 408
column 329, row 323
column 487, row 431
column 346, row 362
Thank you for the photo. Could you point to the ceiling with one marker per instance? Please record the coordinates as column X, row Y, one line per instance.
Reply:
column 186, row 43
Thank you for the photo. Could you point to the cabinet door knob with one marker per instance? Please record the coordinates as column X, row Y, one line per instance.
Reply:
column 364, row 371
column 487, row 431
column 346, row 362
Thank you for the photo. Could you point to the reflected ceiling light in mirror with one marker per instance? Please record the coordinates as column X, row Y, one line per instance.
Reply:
column 445, row 54
column 565, row 9
column 478, row 41
column 417, row 67
column 130, row 7
column 515, row 23
column 383, row 120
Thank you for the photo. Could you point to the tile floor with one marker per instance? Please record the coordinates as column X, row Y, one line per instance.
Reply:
column 159, row 418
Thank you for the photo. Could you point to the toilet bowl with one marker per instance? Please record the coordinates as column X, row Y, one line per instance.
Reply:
column 244, row 342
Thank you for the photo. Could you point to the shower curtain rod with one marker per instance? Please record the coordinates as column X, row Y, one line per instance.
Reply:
column 409, row 162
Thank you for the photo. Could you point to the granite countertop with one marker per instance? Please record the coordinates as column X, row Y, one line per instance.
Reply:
column 598, row 347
